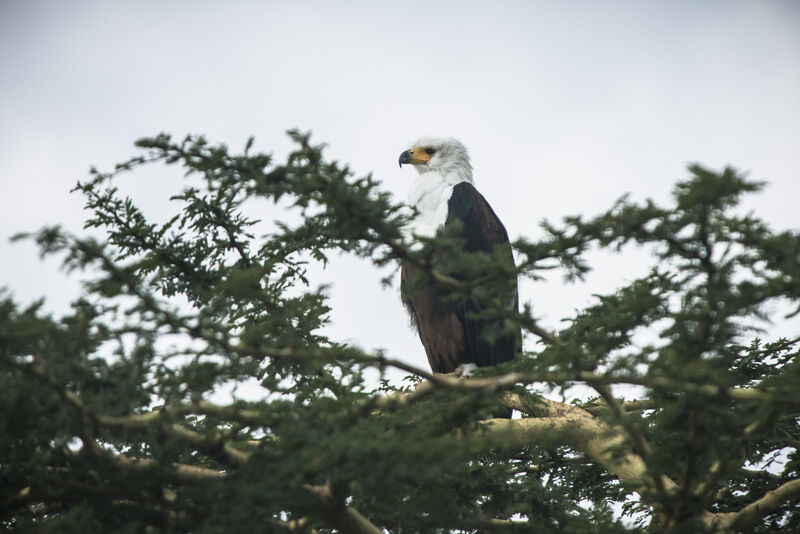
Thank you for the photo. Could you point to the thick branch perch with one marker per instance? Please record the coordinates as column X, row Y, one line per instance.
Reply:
column 570, row 426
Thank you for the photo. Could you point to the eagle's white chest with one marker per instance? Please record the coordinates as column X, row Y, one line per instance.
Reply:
column 429, row 195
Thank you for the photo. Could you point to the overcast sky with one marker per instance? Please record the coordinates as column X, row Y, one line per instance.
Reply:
column 564, row 106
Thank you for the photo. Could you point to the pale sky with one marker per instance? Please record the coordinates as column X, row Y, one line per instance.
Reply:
column 564, row 106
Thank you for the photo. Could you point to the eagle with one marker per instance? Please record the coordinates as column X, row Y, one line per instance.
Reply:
column 455, row 335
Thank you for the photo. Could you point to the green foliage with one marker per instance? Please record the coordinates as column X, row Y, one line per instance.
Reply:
column 107, row 416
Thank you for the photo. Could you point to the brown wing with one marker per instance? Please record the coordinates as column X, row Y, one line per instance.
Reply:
column 489, row 341
column 439, row 328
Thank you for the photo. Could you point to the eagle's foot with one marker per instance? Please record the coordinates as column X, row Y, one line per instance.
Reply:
column 458, row 372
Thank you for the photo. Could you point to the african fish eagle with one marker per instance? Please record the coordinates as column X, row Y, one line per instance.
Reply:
column 452, row 332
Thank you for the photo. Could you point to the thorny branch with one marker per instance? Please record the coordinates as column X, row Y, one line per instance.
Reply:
column 550, row 420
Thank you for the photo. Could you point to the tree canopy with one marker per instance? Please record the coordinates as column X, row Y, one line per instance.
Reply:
column 108, row 414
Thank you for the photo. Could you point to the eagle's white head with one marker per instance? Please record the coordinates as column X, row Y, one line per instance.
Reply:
column 444, row 155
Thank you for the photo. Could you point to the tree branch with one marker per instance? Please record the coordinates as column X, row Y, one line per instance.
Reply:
column 748, row 516
column 767, row 504
column 721, row 464
column 599, row 406
column 345, row 518
column 181, row 473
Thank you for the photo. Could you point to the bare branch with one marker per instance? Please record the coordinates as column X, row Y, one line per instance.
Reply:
column 748, row 516
column 767, row 504
column 599, row 406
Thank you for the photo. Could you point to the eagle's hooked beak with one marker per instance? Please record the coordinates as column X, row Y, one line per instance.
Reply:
column 405, row 157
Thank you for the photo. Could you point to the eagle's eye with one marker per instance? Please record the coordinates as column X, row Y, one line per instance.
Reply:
column 430, row 151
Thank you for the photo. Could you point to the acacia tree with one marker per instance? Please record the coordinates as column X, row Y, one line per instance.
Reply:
column 108, row 424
